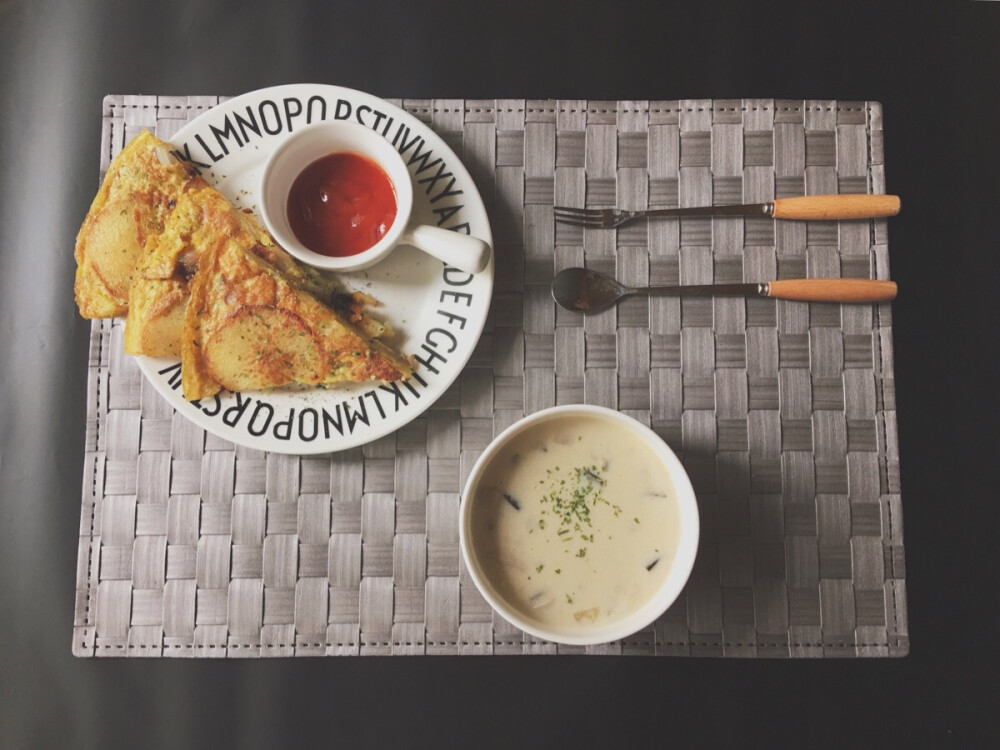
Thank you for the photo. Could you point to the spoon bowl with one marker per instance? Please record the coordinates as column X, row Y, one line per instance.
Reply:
column 584, row 290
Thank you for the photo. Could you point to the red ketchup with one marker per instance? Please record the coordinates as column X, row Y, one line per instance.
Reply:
column 341, row 204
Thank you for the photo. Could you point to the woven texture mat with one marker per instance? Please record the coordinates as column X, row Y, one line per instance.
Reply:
column 782, row 412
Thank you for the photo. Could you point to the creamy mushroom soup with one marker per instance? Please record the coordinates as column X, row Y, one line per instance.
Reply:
column 575, row 522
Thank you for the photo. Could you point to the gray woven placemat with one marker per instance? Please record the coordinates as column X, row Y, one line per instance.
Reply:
column 783, row 413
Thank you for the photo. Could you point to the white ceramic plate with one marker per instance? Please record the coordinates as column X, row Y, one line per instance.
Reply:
column 438, row 312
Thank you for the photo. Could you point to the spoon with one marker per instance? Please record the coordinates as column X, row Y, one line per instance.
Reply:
column 583, row 290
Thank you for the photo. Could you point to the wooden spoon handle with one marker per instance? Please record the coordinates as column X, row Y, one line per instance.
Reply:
column 836, row 207
column 833, row 290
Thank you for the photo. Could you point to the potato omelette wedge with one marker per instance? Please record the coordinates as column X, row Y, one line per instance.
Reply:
column 139, row 191
column 248, row 327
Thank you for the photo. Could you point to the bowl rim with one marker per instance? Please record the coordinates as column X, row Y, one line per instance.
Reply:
column 684, row 558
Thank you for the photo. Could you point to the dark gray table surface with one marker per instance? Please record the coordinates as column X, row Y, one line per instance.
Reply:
column 935, row 71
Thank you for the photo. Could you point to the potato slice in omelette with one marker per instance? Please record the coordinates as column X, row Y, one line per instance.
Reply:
column 138, row 193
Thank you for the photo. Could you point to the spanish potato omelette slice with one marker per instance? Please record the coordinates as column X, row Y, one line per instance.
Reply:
column 249, row 326
column 139, row 191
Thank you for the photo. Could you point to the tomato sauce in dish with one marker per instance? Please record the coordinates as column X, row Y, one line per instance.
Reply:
column 341, row 204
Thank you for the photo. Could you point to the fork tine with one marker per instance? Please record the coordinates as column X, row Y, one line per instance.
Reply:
column 577, row 211
column 581, row 221
column 588, row 217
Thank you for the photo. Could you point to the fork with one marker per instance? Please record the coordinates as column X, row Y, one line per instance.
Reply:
column 807, row 207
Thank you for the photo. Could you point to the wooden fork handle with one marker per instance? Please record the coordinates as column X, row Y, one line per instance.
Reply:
column 836, row 207
column 833, row 290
